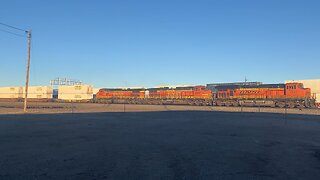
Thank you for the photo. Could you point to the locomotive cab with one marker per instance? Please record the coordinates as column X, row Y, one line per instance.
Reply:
column 296, row 90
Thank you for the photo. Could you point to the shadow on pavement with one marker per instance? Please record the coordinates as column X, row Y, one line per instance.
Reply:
column 159, row 145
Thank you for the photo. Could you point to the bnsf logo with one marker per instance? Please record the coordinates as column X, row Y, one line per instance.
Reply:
column 245, row 92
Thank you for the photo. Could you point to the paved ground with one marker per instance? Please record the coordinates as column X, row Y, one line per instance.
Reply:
column 160, row 145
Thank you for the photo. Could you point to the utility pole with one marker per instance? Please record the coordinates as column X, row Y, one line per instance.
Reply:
column 28, row 69
column 28, row 64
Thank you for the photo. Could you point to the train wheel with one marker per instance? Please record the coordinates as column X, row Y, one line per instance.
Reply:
column 291, row 105
column 310, row 104
column 300, row 106
column 235, row 104
column 203, row 103
column 280, row 105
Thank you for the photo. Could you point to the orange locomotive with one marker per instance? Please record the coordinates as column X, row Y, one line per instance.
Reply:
column 268, row 95
column 120, row 95
column 282, row 95
column 193, row 95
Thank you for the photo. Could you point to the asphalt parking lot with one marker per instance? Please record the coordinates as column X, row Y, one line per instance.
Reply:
column 160, row 145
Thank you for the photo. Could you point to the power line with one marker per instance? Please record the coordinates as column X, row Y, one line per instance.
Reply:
column 12, row 33
column 13, row 27
column 28, row 64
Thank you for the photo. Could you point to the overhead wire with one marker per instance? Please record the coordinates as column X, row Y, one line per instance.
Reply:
column 13, row 27
column 12, row 33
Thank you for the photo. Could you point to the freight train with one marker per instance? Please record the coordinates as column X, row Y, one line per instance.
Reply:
column 292, row 95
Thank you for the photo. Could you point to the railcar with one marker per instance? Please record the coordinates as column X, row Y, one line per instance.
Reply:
column 265, row 95
column 192, row 95
column 273, row 95
column 121, row 95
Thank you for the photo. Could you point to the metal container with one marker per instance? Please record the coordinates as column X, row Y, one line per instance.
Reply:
column 39, row 92
column 11, row 92
column 75, row 93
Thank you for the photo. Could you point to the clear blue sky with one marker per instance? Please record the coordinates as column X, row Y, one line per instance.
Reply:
column 147, row 43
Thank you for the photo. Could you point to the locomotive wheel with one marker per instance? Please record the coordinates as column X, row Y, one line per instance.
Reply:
column 235, row 104
column 300, row 106
column 312, row 105
column 291, row 105
column 281, row 105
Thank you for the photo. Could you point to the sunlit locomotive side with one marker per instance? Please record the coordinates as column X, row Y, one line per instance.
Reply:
column 292, row 95
column 121, row 95
column 280, row 95
column 192, row 95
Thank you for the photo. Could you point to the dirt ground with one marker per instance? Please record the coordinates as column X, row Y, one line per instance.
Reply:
column 168, row 144
column 45, row 108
